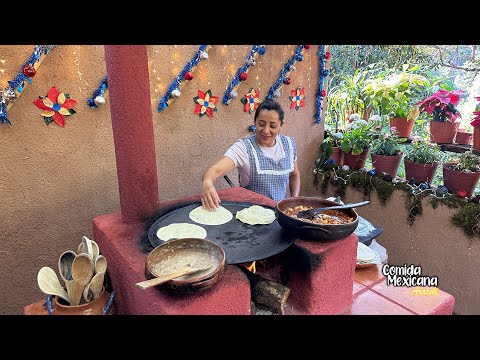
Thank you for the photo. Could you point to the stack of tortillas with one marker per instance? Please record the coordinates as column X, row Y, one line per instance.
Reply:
column 366, row 256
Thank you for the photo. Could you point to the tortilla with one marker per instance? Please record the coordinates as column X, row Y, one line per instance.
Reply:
column 181, row 230
column 217, row 217
column 256, row 215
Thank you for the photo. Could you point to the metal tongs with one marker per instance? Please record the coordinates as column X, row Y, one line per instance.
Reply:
column 310, row 213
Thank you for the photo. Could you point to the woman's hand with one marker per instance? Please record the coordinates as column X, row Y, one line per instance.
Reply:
column 210, row 199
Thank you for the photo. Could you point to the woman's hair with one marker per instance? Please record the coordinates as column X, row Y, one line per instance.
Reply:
column 270, row 104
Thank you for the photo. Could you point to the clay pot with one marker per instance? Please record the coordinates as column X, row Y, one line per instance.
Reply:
column 355, row 161
column 421, row 172
column 404, row 127
column 387, row 164
column 476, row 137
column 102, row 305
column 337, row 155
column 457, row 180
column 443, row 132
column 463, row 137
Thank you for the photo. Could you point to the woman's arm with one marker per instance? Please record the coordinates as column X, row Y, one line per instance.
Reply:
column 209, row 197
column 294, row 181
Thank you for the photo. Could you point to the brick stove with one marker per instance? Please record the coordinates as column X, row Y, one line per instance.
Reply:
column 319, row 275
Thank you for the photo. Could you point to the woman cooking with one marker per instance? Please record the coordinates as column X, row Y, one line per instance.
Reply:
column 266, row 161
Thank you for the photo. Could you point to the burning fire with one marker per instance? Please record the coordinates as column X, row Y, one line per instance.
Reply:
column 252, row 267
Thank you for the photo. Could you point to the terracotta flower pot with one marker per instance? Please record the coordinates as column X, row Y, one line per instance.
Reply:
column 476, row 137
column 337, row 155
column 102, row 305
column 355, row 161
column 463, row 137
column 404, row 127
column 443, row 132
column 421, row 172
column 457, row 180
column 387, row 164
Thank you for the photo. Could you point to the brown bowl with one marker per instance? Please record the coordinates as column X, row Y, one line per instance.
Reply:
column 309, row 231
column 178, row 253
column 102, row 305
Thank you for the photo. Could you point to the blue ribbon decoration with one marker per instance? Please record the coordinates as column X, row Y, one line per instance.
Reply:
column 98, row 92
column 236, row 79
column 297, row 56
column 163, row 104
column 321, row 84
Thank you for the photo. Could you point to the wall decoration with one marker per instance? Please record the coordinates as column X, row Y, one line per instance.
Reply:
column 206, row 103
column 242, row 73
column 297, row 98
column 323, row 56
column 97, row 98
column 285, row 72
column 173, row 90
column 15, row 86
column 55, row 106
column 251, row 100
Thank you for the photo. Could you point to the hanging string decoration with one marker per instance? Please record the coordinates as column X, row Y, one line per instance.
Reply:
column 321, row 93
column 242, row 73
column 285, row 73
column 173, row 90
column 297, row 98
column 251, row 100
column 15, row 86
column 97, row 98
column 55, row 106
column 206, row 103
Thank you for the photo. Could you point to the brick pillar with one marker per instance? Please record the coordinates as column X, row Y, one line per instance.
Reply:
column 130, row 108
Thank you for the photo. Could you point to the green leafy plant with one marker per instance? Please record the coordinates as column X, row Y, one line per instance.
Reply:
column 423, row 152
column 386, row 143
column 357, row 138
column 330, row 140
column 394, row 94
column 467, row 162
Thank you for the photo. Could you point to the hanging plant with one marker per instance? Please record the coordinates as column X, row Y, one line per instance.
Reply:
column 206, row 103
column 55, row 106
column 251, row 100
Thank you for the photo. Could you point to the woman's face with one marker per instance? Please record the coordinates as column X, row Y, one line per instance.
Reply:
column 267, row 126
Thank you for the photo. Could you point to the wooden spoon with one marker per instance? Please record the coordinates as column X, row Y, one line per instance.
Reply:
column 160, row 280
column 49, row 284
column 100, row 264
column 65, row 264
column 94, row 287
column 82, row 271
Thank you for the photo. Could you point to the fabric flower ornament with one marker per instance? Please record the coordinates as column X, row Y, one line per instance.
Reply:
column 297, row 98
column 251, row 100
column 55, row 106
column 206, row 103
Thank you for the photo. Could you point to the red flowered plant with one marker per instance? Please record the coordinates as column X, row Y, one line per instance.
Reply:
column 297, row 98
column 442, row 105
column 55, row 106
column 476, row 118
column 205, row 103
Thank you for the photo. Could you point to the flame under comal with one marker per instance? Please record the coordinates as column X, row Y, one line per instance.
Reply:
column 252, row 268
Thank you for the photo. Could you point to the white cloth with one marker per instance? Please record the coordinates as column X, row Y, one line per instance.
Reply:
column 238, row 153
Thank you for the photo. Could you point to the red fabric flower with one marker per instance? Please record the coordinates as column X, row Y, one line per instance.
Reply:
column 55, row 106
column 297, row 98
column 205, row 103
column 251, row 100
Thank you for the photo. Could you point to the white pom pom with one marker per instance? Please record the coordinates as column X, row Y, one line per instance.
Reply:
column 176, row 93
column 292, row 68
column 252, row 62
column 233, row 94
column 345, row 167
column 204, row 55
column 276, row 93
column 99, row 100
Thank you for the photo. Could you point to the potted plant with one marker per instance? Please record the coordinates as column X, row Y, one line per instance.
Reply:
column 421, row 161
column 356, row 142
column 446, row 117
column 386, row 153
column 463, row 174
column 476, row 126
column 330, row 148
column 394, row 95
